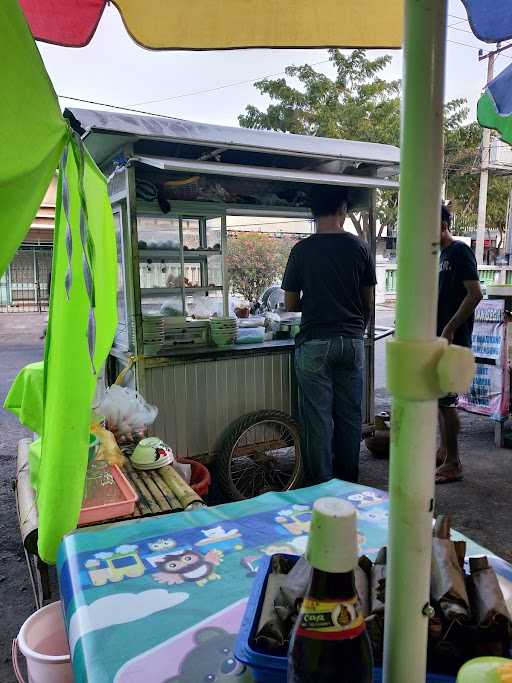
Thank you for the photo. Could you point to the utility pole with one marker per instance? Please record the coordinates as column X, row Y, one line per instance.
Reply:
column 484, row 166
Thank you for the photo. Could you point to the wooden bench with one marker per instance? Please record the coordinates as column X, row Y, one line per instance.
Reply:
column 155, row 498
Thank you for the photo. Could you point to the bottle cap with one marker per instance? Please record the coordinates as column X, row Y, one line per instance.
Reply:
column 332, row 542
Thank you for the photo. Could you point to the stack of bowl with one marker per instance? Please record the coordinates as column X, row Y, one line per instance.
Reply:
column 151, row 453
column 153, row 333
column 223, row 331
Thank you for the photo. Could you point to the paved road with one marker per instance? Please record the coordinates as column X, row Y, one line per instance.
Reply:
column 19, row 345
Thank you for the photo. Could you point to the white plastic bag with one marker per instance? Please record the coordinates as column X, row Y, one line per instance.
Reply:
column 125, row 412
column 272, row 322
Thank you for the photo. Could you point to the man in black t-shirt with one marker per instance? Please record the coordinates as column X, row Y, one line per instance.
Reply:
column 330, row 277
column 459, row 295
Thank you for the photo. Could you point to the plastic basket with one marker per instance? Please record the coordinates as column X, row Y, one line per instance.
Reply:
column 100, row 511
column 269, row 668
column 200, row 478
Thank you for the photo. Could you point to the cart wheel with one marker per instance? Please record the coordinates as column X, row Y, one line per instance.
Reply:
column 257, row 453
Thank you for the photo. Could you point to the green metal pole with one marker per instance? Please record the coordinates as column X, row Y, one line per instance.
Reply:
column 414, row 422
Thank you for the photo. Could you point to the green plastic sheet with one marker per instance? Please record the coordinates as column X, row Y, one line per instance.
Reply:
column 25, row 400
column 25, row 397
column 32, row 130
column 70, row 378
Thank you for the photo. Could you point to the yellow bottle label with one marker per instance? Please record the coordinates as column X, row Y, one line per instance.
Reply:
column 330, row 619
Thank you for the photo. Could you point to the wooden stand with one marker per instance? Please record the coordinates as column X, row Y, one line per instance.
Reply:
column 156, row 497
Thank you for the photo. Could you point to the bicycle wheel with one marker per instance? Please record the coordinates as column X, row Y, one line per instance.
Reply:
column 257, row 453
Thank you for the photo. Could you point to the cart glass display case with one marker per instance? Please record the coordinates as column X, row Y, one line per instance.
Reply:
column 122, row 339
column 181, row 265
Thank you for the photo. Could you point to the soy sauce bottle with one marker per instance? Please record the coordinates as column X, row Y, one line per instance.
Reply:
column 329, row 643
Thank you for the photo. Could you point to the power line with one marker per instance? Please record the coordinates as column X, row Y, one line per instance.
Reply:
column 131, row 109
column 175, row 97
column 462, row 30
column 222, row 87
column 473, row 47
column 454, row 16
column 115, row 106
column 455, row 42
column 454, row 24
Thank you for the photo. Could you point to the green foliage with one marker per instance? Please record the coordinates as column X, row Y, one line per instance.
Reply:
column 462, row 164
column 357, row 104
column 255, row 261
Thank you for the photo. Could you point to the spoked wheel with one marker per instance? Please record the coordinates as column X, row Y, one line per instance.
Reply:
column 259, row 452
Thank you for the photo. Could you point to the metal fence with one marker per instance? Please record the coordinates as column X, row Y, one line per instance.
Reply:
column 25, row 286
column 490, row 275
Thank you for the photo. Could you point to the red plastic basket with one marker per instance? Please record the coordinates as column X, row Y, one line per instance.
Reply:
column 200, row 478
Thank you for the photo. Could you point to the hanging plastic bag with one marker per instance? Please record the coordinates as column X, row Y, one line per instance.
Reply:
column 272, row 322
column 126, row 413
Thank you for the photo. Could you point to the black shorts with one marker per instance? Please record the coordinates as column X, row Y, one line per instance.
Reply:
column 449, row 401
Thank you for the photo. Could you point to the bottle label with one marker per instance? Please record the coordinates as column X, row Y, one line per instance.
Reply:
column 330, row 619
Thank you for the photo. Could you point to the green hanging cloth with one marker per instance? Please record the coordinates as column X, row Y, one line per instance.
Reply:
column 25, row 400
column 25, row 397
column 82, row 323
column 32, row 130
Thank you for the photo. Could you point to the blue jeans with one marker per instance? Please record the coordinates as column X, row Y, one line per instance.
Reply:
column 330, row 377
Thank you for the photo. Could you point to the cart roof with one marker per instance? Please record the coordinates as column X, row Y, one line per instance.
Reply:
column 105, row 132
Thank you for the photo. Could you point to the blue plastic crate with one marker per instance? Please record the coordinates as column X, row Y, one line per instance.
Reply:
column 269, row 668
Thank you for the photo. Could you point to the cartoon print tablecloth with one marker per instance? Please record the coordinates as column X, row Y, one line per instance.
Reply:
column 160, row 600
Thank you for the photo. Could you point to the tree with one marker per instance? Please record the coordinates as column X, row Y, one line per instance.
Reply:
column 357, row 104
column 462, row 177
column 465, row 189
column 255, row 261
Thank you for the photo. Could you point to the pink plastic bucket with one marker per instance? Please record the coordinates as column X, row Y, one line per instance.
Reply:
column 42, row 640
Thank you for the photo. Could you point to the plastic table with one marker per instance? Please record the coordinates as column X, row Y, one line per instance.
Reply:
column 160, row 600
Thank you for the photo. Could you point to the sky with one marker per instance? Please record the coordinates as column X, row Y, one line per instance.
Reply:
column 215, row 87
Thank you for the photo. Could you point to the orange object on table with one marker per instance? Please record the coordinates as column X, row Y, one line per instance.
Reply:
column 108, row 495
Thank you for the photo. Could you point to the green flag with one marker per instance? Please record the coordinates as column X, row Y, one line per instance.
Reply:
column 490, row 117
column 32, row 130
column 81, row 328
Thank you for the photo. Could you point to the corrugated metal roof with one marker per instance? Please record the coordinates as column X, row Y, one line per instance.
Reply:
column 178, row 130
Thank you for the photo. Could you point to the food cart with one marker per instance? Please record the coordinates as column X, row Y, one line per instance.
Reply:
column 173, row 185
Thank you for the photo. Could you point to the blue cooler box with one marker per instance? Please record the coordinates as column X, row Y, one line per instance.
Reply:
column 269, row 668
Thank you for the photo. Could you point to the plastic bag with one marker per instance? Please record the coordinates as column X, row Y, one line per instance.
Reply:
column 250, row 335
column 184, row 470
column 126, row 413
column 252, row 321
column 272, row 322
column 109, row 450
column 171, row 308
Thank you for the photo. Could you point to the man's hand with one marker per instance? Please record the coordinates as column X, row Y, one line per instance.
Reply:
column 292, row 302
column 467, row 307
column 367, row 299
column 448, row 333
